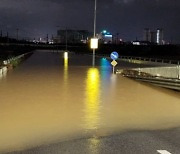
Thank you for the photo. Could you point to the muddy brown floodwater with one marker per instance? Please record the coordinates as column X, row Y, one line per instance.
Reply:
column 51, row 98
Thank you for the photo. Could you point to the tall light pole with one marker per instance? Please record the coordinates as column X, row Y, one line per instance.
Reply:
column 17, row 35
column 95, row 9
column 66, row 39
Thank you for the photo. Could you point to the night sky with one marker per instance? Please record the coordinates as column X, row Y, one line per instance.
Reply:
column 37, row 18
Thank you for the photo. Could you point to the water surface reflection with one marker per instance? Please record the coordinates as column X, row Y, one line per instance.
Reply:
column 92, row 99
column 43, row 101
column 65, row 68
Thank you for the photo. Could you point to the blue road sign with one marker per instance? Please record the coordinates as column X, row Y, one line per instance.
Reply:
column 114, row 55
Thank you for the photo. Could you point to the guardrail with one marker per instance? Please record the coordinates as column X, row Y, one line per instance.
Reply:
column 8, row 61
column 157, row 60
column 171, row 80
column 5, row 63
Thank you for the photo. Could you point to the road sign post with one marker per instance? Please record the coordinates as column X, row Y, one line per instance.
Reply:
column 114, row 55
column 114, row 63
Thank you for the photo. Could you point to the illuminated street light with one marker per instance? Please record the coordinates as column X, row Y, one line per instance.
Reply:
column 94, row 43
column 65, row 55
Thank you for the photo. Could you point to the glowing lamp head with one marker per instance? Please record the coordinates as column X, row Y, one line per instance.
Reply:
column 94, row 43
column 65, row 55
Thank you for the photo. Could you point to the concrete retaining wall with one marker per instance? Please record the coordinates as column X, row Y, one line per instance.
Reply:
column 167, row 72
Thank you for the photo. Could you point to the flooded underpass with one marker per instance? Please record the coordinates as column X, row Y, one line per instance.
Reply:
column 52, row 97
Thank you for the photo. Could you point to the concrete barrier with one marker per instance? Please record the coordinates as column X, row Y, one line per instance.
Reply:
column 167, row 72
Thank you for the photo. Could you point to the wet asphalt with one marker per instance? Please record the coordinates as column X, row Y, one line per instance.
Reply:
column 131, row 142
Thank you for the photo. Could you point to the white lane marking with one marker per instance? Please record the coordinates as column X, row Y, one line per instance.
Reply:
column 163, row 152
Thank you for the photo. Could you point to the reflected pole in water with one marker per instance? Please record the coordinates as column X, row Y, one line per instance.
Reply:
column 93, row 60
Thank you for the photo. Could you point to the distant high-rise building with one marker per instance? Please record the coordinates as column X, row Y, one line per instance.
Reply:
column 147, row 35
column 154, row 36
column 159, row 36
column 72, row 36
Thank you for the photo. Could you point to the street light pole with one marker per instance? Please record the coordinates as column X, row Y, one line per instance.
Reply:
column 66, row 39
column 95, row 9
column 17, row 35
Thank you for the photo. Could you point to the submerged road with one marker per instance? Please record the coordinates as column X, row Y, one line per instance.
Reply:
column 53, row 104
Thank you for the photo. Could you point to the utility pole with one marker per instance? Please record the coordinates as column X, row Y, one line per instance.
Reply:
column 117, row 39
column 66, row 39
column 17, row 33
column 1, row 33
column 7, row 37
column 47, row 38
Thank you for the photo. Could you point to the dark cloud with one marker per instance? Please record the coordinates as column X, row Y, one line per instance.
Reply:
column 36, row 18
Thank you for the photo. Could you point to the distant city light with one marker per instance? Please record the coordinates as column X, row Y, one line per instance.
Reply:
column 108, row 35
column 104, row 31
column 136, row 43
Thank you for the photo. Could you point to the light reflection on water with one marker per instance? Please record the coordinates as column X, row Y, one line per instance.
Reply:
column 65, row 67
column 92, row 99
column 43, row 101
